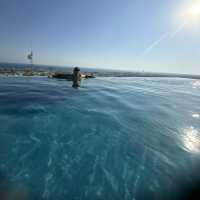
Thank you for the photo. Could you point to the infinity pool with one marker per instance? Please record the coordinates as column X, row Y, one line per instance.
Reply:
column 114, row 138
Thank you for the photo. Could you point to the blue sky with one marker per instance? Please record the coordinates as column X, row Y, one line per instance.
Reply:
column 100, row 33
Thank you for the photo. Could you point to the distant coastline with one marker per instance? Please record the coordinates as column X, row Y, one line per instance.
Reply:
column 11, row 69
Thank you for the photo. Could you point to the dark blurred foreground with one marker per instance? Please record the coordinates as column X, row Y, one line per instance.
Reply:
column 181, row 190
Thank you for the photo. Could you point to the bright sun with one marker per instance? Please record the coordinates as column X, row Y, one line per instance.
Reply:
column 194, row 10
column 190, row 13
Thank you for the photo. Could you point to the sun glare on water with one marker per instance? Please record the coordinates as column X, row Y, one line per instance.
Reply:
column 191, row 140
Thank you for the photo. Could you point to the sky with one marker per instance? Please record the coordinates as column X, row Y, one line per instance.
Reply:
column 136, row 35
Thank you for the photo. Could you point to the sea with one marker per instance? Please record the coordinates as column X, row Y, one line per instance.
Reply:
column 114, row 138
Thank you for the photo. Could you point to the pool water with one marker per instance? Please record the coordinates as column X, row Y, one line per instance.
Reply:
column 113, row 138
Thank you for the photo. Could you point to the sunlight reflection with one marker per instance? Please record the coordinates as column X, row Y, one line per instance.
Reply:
column 196, row 84
column 195, row 115
column 191, row 140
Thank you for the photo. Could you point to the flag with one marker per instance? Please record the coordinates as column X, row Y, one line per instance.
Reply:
column 30, row 56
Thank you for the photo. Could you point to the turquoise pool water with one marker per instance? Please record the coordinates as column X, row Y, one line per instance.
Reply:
column 114, row 138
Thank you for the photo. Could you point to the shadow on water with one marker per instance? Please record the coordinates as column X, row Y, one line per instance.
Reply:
column 186, row 188
column 14, row 191
column 182, row 190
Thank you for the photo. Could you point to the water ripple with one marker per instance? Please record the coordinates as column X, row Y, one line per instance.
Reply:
column 114, row 138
